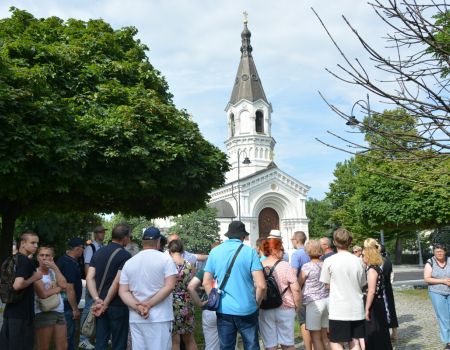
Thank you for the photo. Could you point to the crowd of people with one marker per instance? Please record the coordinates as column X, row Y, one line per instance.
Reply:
column 145, row 299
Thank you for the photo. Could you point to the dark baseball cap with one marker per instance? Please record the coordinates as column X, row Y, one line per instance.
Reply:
column 151, row 233
column 76, row 242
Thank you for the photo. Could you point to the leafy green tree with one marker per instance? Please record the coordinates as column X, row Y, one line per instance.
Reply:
column 138, row 224
column 88, row 124
column 56, row 229
column 370, row 193
column 319, row 215
column 198, row 230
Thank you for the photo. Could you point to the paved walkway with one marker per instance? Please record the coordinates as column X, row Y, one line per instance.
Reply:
column 418, row 326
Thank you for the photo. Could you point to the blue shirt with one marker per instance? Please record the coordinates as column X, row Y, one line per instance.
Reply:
column 238, row 296
column 298, row 259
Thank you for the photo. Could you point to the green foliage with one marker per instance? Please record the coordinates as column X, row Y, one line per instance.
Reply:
column 138, row 224
column 371, row 193
column 55, row 230
column 88, row 124
column 198, row 230
column 319, row 215
column 440, row 39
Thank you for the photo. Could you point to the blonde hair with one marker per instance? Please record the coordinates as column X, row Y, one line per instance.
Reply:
column 372, row 252
column 313, row 248
column 51, row 249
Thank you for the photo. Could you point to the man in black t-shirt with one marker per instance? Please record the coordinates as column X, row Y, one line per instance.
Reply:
column 111, row 312
column 69, row 267
column 18, row 318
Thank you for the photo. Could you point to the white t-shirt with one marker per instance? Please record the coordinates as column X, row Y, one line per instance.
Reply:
column 345, row 275
column 48, row 281
column 145, row 275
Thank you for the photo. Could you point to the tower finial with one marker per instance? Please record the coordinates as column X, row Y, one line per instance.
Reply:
column 245, row 17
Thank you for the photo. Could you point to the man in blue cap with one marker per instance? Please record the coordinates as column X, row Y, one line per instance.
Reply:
column 69, row 267
column 245, row 288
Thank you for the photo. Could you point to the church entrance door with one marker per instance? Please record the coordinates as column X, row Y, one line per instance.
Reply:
column 268, row 219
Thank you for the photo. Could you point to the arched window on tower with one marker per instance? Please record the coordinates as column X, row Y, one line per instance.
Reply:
column 259, row 121
column 232, row 125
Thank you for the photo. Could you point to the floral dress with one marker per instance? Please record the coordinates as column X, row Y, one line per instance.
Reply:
column 183, row 308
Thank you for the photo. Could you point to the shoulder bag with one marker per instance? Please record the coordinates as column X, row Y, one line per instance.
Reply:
column 88, row 326
column 49, row 303
column 215, row 295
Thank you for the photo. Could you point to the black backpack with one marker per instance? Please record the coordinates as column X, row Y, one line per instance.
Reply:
column 273, row 297
column 7, row 276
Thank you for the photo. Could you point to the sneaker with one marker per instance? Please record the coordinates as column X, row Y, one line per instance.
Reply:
column 85, row 344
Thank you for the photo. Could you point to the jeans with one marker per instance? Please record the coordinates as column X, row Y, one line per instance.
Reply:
column 113, row 323
column 247, row 326
column 70, row 322
column 16, row 334
column 441, row 305
column 87, row 305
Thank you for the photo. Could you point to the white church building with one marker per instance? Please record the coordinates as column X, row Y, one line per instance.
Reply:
column 256, row 192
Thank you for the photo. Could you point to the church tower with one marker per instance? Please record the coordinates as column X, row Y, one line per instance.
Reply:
column 249, row 118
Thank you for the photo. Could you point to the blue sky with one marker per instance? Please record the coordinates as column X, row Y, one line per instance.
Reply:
column 195, row 44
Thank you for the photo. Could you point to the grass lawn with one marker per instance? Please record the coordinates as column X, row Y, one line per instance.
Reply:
column 420, row 293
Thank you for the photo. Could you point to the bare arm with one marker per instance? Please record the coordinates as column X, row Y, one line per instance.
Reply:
column 72, row 299
column 43, row 293
column 372, row 277
column 260, row 285
column 208, row 279
column 202, row 257
column 129, row 299
column 60, row 279
column 192, row 288
column 113, row 290
column 163, row 293
column 91, row 284
column 431, row 280
column 302, row 279
column 296, row 292
column 22, row 283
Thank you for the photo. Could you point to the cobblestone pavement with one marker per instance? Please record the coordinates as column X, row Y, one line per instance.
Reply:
column 418, row 328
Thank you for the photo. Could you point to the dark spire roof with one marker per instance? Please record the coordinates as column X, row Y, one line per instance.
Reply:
column 247, row 84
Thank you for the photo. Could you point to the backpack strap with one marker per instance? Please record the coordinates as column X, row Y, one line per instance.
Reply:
column 272, row 269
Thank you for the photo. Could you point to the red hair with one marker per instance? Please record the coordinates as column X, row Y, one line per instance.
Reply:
column 272, row 246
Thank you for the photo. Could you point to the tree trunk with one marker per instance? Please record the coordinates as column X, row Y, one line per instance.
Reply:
column 398, row 250
column 7, row 233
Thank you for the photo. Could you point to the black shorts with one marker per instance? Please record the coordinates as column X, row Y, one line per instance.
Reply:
column 345, row 331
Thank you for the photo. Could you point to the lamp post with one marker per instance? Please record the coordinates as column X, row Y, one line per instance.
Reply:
column 351, row 120
column 245, row 161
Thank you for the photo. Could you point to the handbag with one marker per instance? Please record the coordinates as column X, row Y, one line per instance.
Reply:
column 49, row 303
column 88, row 326
column 213, row 302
